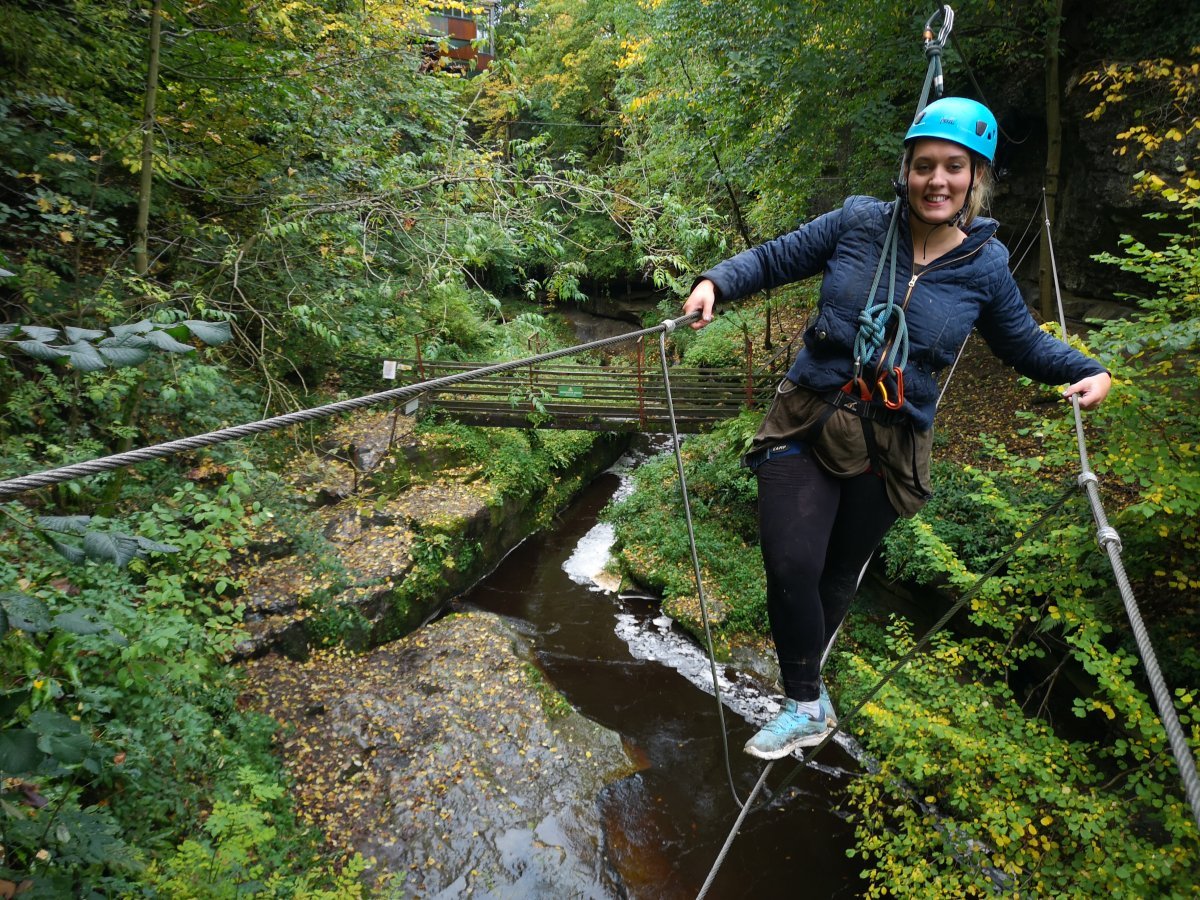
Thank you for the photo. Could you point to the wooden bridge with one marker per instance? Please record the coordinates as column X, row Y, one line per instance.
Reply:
column 625, row 396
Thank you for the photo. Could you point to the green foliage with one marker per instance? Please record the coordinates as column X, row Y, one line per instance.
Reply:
column 554, row 704
column 723, row 343
column 127, row 345
column 975, row 795
column 513, row 462
column 208, row 530
column 652, row 541
column 227, row 858
column 118, row 733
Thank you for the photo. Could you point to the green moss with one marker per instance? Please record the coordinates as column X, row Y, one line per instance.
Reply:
column 554, row 704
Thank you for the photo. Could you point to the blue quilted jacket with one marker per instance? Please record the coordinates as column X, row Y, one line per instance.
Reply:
column 969, row 287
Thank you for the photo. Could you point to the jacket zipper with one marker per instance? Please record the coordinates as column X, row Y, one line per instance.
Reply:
column 912, row 283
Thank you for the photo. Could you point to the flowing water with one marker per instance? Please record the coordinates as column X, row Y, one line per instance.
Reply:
column 624, row 664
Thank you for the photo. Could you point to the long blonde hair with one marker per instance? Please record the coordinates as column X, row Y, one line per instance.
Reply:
column 980, row 199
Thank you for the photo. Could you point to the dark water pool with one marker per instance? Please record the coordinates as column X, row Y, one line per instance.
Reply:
column 621, row 663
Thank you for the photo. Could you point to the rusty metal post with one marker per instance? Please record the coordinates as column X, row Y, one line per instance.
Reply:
column 749, row 372
column 534, row 346
column 420, row 362
column 641, row 386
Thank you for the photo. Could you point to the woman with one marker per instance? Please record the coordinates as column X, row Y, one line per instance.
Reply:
column 844, row 449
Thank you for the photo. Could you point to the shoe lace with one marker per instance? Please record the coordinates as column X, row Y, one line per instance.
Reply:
column 786, row 722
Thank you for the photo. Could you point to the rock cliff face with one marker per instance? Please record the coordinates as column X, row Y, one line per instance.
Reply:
column 1095, row 204
column 395, row 528
column 446, row 758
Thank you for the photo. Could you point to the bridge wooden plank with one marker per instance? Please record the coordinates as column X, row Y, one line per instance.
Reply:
column 598, row 398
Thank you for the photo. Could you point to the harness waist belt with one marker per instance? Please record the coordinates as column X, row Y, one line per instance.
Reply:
column 864, row 408
column 756, row 458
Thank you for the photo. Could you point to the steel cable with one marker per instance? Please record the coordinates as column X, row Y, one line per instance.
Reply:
column 691, row 530
column 1110, row 543
column 20, row 485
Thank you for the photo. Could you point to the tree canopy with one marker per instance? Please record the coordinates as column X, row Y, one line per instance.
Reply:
column 212, row 209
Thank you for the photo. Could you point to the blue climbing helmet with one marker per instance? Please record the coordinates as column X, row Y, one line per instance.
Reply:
column 960, row 120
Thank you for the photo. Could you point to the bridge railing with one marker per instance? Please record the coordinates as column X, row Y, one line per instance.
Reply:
column 618, row 397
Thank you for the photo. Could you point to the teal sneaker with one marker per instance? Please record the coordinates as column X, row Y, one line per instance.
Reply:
column 827, row 707
column 786, row 733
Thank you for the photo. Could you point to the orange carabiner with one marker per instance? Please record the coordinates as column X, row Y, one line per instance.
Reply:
column 899, row 401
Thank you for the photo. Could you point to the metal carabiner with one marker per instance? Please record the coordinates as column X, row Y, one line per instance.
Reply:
column 947, row 24
column 898, row 373
column 858, row 382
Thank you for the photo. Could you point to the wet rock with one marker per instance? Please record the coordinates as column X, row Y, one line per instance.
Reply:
column 350, row 588
column 361, row 571
column 434, row 504
column 436, row 755
column 343, row 524
column 363, row 440
column 281, row 586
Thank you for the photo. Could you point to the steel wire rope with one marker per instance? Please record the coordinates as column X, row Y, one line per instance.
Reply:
column 691, row 530
column 979, row 89
column 13, row 486
column 1110, row 542
column 1028, row 247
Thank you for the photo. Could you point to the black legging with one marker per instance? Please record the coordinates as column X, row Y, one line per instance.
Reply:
column 817, row 534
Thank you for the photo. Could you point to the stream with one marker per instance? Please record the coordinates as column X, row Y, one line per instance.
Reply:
column 625, row 665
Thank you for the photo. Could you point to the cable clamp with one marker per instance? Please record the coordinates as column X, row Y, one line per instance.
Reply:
column 1088, row 477
column 1108, row 535
column 668, row 325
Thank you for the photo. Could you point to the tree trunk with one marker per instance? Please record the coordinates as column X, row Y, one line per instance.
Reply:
column 1053, row 153
column 141, row 238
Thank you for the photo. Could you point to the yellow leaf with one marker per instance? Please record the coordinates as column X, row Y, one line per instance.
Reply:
column 66, row 237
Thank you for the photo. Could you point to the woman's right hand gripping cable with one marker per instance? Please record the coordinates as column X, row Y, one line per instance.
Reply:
column 701, row 299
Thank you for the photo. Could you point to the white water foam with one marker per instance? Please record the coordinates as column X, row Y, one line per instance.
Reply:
column 587, row 563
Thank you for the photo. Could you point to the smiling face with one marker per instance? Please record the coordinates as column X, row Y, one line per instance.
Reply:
column 939, row 176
